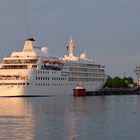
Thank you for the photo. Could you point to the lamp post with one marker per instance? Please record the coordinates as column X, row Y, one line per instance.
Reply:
column 137, row 71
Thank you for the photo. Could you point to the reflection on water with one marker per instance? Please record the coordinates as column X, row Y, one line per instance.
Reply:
column 15, row 119
column 69, row 118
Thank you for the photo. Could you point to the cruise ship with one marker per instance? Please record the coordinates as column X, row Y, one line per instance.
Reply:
column 34, row 72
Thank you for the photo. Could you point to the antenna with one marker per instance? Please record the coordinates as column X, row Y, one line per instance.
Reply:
column 71, row 47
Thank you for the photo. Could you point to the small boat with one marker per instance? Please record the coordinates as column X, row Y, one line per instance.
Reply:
column 79, row 91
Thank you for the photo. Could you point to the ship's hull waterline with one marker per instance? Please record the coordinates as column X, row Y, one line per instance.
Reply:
column 41, row 91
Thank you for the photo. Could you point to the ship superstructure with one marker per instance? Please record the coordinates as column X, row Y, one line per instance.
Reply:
column 33, row 72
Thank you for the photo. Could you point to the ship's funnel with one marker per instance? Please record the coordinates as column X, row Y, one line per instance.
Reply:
column 29, row 43
column 31, row 39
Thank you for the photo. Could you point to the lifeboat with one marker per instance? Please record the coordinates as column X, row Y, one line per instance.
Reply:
column 54, row 64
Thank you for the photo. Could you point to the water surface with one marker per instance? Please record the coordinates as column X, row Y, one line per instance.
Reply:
column 69, row 118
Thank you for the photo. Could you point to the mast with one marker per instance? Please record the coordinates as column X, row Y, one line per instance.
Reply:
column 71, row 47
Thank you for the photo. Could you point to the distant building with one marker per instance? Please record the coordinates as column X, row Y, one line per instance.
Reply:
column 137, row 71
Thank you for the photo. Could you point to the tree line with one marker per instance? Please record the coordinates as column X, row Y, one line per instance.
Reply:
column 118, row 82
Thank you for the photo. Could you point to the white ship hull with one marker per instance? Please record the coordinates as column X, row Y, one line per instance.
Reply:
column 44, row 91
column 42, row 87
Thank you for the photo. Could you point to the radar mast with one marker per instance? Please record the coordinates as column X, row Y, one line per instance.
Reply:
column 71, row 47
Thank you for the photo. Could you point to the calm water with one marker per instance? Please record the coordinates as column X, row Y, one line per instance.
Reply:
column 69, row 118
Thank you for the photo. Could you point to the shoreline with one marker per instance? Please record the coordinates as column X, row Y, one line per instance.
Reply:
column 115, row 91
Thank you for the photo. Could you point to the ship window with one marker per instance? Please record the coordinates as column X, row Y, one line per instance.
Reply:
column 19, row 83
column 13, row 83
column 7, row 84
column 27, row 83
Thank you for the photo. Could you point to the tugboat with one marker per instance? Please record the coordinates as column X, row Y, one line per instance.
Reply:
column 79, row 91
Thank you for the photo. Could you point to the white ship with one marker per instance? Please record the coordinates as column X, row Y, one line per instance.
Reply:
column 33, row 72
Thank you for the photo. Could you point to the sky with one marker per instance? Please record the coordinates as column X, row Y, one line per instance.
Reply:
column 109, row 30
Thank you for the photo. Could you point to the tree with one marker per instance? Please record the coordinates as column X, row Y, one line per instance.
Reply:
column 118, row 82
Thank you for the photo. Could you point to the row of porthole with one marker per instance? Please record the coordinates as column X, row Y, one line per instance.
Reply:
column 53, row 78
column 43, row 72
column 39, row 84
column 42, row 78
column 6, row 84
column 58, row 78
column 46, row 72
